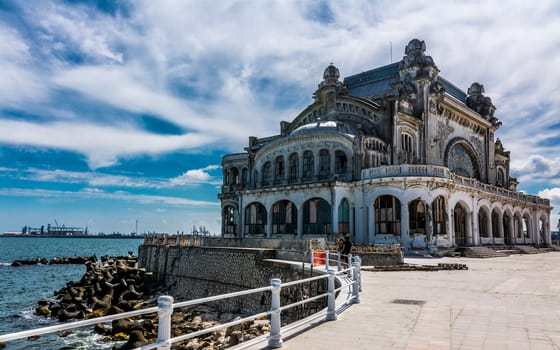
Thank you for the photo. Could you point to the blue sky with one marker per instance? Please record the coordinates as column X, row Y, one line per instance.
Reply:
column 116, row 111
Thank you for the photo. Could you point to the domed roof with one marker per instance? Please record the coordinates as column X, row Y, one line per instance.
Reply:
column 324, row 125
column 331, row 73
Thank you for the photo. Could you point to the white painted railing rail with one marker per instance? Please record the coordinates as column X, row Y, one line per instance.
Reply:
column 165, row 309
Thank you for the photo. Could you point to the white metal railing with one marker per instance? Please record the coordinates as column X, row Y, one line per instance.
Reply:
column 165, row 309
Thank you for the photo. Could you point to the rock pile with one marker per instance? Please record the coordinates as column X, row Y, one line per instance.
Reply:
column 112, row 287
column 191, row 320
column 116, row 286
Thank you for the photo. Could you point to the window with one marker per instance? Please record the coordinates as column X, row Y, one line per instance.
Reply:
column 266, row 174
column 501, row 177
column 438, row 212
column 388, row 215
column 294, row 168
column 324, row 164
column 308, row 165
column 279, row 170
column 406, row 143
column 417, row 217
column 341, row 163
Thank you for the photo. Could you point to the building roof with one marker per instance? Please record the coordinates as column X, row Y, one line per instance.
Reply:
column 380, row 80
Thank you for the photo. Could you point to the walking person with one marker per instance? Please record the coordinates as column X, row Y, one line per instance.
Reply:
column 346, row 249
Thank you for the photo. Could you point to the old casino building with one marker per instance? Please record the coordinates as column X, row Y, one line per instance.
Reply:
column 396, row 154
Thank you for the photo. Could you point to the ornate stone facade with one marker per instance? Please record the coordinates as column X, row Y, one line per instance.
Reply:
column 396, row 154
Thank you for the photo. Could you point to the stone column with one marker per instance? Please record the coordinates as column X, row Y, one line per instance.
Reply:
column 268, row 232
column 501, row 225
column 334, row 209
column 404, row 225
column 300, row 222
column 489, row 227
column 512, row 237
column 370, row 224
column 451, row 223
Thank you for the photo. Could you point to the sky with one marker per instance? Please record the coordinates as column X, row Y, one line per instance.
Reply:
column 113, row 112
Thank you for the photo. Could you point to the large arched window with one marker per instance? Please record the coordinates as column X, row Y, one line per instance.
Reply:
column 293, row 168
column 308, row 165
column 324, row 164
column 266, row 174
column 255, row 219
column 279, row 170
column 462, row 162
column 317, row 217
column 387, row 215
column 284, row 217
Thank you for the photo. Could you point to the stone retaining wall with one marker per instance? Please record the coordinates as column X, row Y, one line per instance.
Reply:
column 197, row 272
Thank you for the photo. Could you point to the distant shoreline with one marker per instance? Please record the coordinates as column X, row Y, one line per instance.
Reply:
column 77, row 236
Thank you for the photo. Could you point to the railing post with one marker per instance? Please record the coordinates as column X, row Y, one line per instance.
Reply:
column 355, row 287
column 338, row 262
column 331, row 306
column 312, row 255
column 165, row 309
column 275, row 338
column 326, row 259
column 359, row 261
column 349, row 266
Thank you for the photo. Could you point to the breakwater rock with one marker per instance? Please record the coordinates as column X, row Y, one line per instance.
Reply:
column 111, row 287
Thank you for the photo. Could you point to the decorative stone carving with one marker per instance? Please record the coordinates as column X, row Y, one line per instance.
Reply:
column 444, row 130
column 415, row 56
column 480, row 103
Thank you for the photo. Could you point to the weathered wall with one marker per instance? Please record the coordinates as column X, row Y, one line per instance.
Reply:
column 197, row 272
column 381, row 259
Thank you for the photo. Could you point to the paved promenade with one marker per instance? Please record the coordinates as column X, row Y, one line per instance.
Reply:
column 499, row 303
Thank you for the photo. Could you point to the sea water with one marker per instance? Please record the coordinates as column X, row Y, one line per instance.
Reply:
column 21, row 287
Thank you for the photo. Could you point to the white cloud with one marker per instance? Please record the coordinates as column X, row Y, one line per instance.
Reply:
column 103, row 145
column 98, row 179
column 89, row 194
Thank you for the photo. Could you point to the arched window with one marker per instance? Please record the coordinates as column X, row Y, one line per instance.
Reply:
column 406, row 142
column 279, row 170
column 483, row 223
column 255, row 219
column 462, row 162
column 317, row 217
column 387, row 215
column 417, row 217
column 284, row 218
column 344, row 217
column 324, row 164
column 234, row 176
column 230, row 220
column 500, row 181
column 340, row 163
column 407, row 155
column 293, row 168
column 244, row 177
column 266, row 174
column 439, row 215
column 308, row 165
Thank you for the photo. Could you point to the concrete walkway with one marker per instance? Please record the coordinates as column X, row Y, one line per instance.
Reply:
column 499, row 303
